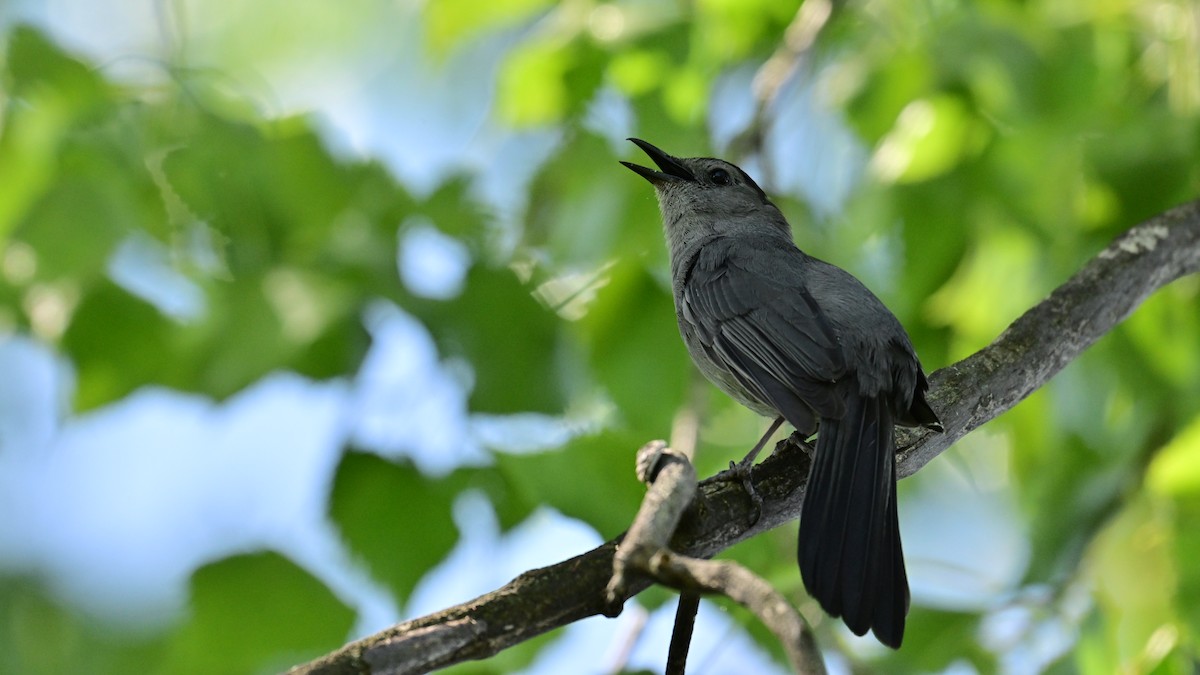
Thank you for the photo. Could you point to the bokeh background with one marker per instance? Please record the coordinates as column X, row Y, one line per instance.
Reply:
column 317, row 316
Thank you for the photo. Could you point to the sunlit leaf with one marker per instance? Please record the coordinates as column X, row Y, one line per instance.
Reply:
column 637, row 72
column 1135, row 580
column 992, row 288
column 1166, row 331
column 894, row 82
column 728, row 30
column 930, row 137
column 685, row 95
column 1185, row 548
column 1175, row 470
column 450, row 22
column 56, row 92
column 532, row 90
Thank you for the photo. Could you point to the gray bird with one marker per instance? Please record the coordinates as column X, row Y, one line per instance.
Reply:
column 795, row 338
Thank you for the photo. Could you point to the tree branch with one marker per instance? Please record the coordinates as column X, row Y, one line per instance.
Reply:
column 644, row 552
column 672, row 480
column 1055, row 332
column 739, row 584
column 965, row 395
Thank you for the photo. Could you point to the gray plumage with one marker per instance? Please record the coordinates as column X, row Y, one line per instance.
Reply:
column 790, row 336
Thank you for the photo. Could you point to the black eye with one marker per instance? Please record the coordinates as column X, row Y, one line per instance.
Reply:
column 720, row 177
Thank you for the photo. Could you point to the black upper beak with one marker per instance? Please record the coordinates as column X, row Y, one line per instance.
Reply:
column 672, row 169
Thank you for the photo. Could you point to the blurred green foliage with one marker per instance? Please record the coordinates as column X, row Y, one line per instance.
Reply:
column 1008, row 142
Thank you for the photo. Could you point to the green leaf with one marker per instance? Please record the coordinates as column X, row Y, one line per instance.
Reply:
column 1185, row 546
column 448, row 23
column 1135, row 579
column 119, row 343
column 591, row 479
column 931, row 136
column 635, row 349
column 541, row 82
column 39, row 636
column 895, row 81
column 74, row 228
column 636, row 72
column 973, row 303
column 257, row 612
column 685, row 94
column 532, row 90
column 511, row 341
column 1175, row 469
column 55, row 92
column 458, row 213
column 1165, row 331
column 336, row 351
column 584, row 207
column 1148, row 161
column 240, row 340
column 394, row 519
column 279, row 201
column 38, row 68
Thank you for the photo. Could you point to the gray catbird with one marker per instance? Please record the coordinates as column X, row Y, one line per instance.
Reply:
column 795, row 338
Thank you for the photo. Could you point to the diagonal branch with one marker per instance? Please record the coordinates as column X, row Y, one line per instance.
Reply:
column 966, row 395
column 1057, row 330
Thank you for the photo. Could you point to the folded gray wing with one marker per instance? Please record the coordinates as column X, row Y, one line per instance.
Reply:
column 752, row 313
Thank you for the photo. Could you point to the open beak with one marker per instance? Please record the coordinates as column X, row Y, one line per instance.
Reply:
column 672, row 169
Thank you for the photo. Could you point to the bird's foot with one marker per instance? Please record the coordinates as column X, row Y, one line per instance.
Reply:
column 740, row 472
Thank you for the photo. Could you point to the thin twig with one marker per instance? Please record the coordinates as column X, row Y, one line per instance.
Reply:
column 681, row 633
column 739, row 584
column 778, row 70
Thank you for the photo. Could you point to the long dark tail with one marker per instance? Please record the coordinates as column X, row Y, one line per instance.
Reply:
column 850, row 555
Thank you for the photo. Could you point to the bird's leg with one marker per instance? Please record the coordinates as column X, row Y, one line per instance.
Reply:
column 748, row 461
column 741, row 470
column 805, row 443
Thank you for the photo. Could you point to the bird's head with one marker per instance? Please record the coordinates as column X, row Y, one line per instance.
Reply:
column 704, row 195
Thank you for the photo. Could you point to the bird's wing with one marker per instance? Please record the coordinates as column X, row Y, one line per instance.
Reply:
column 751, row 310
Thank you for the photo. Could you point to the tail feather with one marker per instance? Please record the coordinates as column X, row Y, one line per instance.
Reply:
column 890, row 614
column 850, row 554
